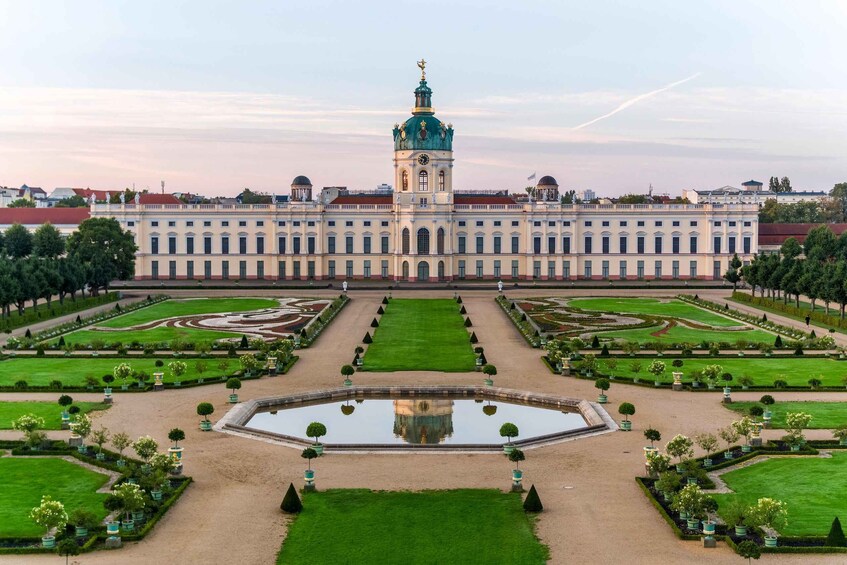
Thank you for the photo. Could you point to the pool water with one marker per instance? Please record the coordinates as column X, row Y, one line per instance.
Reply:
column 416, row 421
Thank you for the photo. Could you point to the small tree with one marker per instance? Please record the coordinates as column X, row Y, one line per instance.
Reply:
column 532, row 503
column 490, row 370
column 49, row 514
column 145, row 447
column 176, row 435
column 730, row 435
column 795, row 423
column 81, row 425
column 668, row 482
column 657, row 368
column 99, row 437
column 121, row 441
column 347, row 372
column 30, row 424
column 706, row 442
column 67, row 547
column 291, row 502
column 680, row 447
column 223, row 366
column 769, row 513
column 712, row 372
column 249, row 363
column 205, row 409
column 65, row 401
column 131, row 498
column 657, row 463
column 767, row 400
column 743, row 427
column 749, row 550
column 309, row 454
column 690, row 500
column 316, row 430
column 516, row 456
column 177, row 368
column 602, row 385
column 626, row 409
column 233, row 384
column 835, row 538
column 652, row 435
column 508, row 431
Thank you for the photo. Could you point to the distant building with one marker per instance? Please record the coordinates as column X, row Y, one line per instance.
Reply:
column 772, row 236
column 586, row 195
column 66, row 220
column 750, row 193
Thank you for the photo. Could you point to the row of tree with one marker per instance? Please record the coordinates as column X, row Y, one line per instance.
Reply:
column 817, row 270
column 829, row 210
column 41, row 265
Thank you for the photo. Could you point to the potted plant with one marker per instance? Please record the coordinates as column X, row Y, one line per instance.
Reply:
column 840, row 433
column 83, row 520
column 709, row 444
column 145, row 447
column 81, row 427
column 178, row 369
column 730, row 436
column 602, row 385
column 710, row 509
column 635, row 367
column 249, row 363
column 768, row 401
column 316, row 430
column 737, row 515
column 30, row 425
column 626, row 409
column 233, row 384
column 795, row 423
column 770, row 514
column 205, row 409
column 346, row 372
column 727, row 390
column 107, row 390
column 122, row 371
column 744, row 427
column 176, row 435
column 131, row 502
column 652, row 435
column 516, row 456
column 64, row 402
column 161, row 464
column 711, row 374
column 746, row 381
column 121, row 441
column 50, row 515
column 689, row 502
column 508, row 431
column 657, row 463
column 99, row 437
column 657, row 368
column 680, row 447
column 489, row 371
column 611, row 365
column 309, row 475
column 589, row 365
column 667, row 484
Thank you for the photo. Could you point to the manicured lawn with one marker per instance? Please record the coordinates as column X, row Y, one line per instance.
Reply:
column 420, row 335
column 653, row 307
column 50, row 411
column 813, row 488
column 72, row 372
column 189, row 307
column 825, row 415
column 153, row 335
column 26, row 479
column 683, row 334
column 796, row 371
column 458, row 526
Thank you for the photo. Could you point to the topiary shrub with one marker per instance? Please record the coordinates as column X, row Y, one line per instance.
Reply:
column 291, row 501
column 512, row 307
column 605, row 351
column 61, row 341
column 374, row 323
column 78, row 319
column 533, row 502
column 385, row 300
column 473, row 338
column 767, row 400
column 523, row 317
column 244, row 342
column 463, row 310
column 458, row 299
column 764, row 317
column 28, row 334
column 756, row 411
column 835, row 538
column 799, row 350
column 380, row 311
column 595, row 343
column 468, row 322
column 367, row 338
column 159, row 363
column 812, row 334
column 778, row 341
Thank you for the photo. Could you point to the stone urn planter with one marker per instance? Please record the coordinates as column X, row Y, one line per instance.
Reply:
column 766, row 418
column 707, row 462
column 48, row 542
column 727, row 455
column 138, row 517
column 795, row 447
column 649, row 450
column 176, row 453
column 517, row 477
column 100, row 456
column 348, row 382
column 489, row 382
column 746, row 449
column 107, row 395
column 708, row 528
column 66, row 420
column 113, row 529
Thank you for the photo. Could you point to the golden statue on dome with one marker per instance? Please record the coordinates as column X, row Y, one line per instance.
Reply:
column 422, row 65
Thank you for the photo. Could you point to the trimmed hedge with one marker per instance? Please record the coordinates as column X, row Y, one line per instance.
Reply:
column 791, row 310
column 56, row 309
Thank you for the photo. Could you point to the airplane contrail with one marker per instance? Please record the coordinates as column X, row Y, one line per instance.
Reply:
column 635, row 100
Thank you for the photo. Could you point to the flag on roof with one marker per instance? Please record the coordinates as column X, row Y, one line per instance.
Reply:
column 531, row 177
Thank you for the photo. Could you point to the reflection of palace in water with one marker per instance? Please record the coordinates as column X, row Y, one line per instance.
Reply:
column 423, row 421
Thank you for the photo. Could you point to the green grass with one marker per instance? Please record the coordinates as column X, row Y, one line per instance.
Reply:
column 50, row 411
column 653, row 307
column 825, row 415
column 796, row 371
column 169, row 309
column 683, row 334
column 39, row 371
column 420, row 335
column 813, row 488
column 458, row 526
column 26, row 479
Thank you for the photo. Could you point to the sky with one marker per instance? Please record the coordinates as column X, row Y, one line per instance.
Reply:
column 615, row 96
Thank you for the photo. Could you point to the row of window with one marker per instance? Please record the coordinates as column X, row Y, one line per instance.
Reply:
column 423, row 181
column 423, row 269
column 424, row 237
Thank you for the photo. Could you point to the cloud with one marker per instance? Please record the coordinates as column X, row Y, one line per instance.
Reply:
column 636, row 100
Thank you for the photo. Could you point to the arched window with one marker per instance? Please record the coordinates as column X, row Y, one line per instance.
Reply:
column 439, row 241
column 441, row 181
column 405, row 274
column 423, row 241
column 423, row 181
column 405, row 180
column 406, row 241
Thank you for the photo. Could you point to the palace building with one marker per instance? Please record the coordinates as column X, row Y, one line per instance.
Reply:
column 423, row 230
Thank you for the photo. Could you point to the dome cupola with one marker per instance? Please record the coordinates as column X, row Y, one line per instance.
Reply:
column 301, row 189
column 423, row 130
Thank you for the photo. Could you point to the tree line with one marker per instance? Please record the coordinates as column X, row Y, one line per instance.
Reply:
column 817, row 269
column 832, row 209
column 42, row 265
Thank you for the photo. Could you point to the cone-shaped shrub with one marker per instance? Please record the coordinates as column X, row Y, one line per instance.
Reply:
column 459, row 300
column 244, row 343
column 595, row 343
column 291, row 502
column 463, row 310
column 605, row 351
column 523, row 317
column 78, row 319
column 380, row 311
column 367, row 338
column 812, row 334
column 778, row 341
column 385, row 300
column 374, row 323
column 482, row 358
column 532, row 502
column 468, row 322
column 62, row 341
column 512, row 307
column 836, row 535
column 28, row 333
column 473, row 338
column 764, row 317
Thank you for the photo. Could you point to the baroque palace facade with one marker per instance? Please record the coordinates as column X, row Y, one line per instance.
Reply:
column 424, row 231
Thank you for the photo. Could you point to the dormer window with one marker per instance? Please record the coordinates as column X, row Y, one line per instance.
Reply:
column 423, row 181
column 441, row 181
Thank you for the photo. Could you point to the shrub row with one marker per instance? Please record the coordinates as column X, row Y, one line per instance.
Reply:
column 521, row 320
column 56, row 309
column 313, row 329
column 790, row 309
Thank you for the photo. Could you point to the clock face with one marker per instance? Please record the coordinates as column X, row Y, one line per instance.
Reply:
column 423, row 159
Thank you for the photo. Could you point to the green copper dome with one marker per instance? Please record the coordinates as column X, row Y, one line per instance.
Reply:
column 423, row 130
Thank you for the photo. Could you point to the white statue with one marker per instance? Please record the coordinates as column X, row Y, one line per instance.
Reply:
column 500, row 286
column 91, row 199
column 138, row 198
column 108, row 198
column 344, row 286
column 123, row 197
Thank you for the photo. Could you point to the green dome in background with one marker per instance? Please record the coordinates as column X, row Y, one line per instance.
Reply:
column 423, row 130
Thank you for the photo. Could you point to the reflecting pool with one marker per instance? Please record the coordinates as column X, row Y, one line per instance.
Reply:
column 416, row 421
